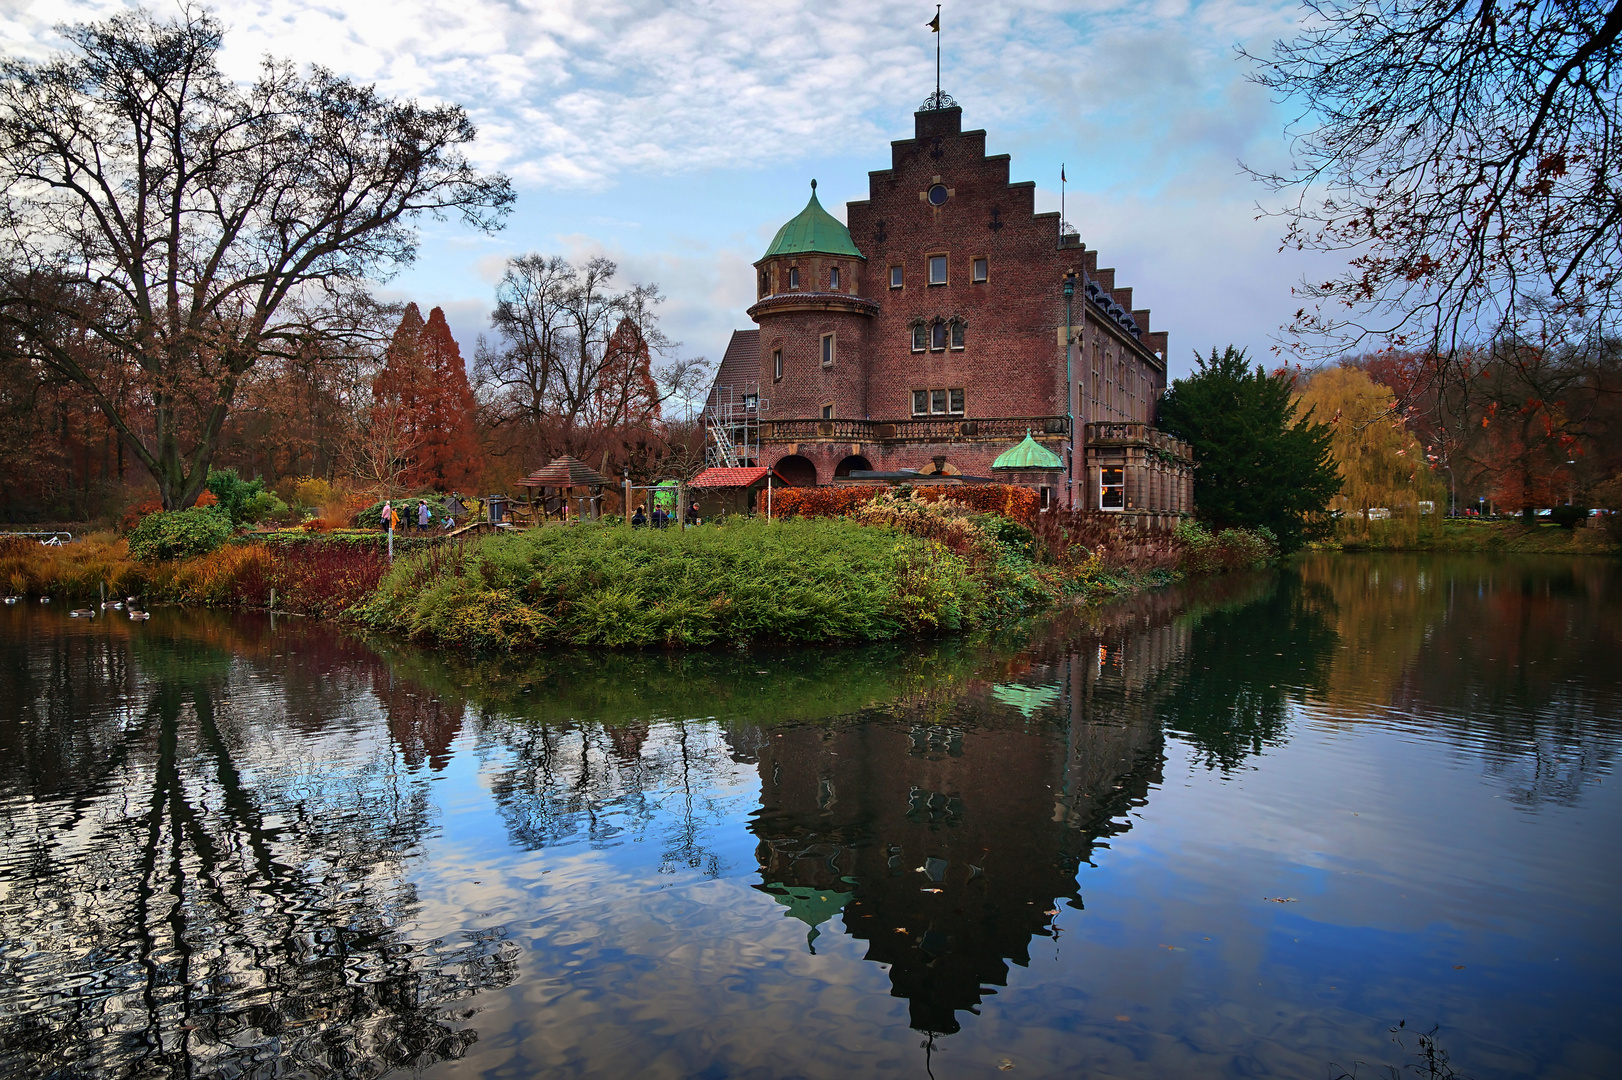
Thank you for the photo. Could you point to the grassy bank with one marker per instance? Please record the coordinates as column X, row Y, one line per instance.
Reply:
column 608, row 585
column 1467, row 535
column 893, row 567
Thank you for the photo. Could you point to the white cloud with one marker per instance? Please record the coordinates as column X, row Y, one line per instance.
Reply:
column 584, row 101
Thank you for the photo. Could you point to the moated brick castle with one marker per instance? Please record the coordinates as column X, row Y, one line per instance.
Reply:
column 926, row 343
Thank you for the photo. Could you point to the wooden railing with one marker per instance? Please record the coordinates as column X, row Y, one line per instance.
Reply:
column 932, row 429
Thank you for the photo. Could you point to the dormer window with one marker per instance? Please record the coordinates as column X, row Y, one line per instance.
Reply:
column 794, row 277
column 833, row 279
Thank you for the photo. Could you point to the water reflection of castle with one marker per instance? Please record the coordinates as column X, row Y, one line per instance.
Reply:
column 947, row 837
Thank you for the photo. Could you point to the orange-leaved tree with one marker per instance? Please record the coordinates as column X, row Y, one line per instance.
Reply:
column 423, row 390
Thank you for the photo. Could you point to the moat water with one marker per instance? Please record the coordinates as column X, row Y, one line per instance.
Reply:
column 1242, row 828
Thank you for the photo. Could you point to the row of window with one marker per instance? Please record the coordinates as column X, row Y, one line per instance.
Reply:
column 939, row 274
column 938, row 335
column 979, row 271
column 947, row 402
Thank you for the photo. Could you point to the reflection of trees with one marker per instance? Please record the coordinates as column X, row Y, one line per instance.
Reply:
column 597, row 783
column 1230, row 697
column 1498, row 654
column 186, row 895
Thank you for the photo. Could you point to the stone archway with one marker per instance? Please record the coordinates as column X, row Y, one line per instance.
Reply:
column 797, row 471
column 852, row 464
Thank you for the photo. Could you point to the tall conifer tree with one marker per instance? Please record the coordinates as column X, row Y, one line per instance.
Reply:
column 424, row 384
column 1257, row 465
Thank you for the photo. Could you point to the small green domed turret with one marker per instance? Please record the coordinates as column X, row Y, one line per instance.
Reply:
column 813, row 230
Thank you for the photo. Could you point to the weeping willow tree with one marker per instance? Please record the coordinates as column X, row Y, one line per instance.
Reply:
column 1385, row 476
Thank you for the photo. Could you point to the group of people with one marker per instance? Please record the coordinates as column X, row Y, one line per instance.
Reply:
column 423, row 515
column 661, row 517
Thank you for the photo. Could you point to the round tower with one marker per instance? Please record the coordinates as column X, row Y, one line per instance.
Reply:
column 813, row 320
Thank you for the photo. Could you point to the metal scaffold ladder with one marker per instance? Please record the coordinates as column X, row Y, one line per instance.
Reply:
column 725, row 452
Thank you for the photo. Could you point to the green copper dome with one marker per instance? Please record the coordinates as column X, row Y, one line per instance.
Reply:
column 813, row 229
column 1029, row 454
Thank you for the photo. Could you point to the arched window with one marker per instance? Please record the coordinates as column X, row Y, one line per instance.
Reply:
column 958, row 326
column 938, row 336
column 920, row 337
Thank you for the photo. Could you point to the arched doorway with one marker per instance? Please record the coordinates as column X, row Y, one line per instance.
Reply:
column 797, row 471
column 853, row 463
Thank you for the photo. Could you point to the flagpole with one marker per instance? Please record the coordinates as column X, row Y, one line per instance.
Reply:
column 937, row 52
column 1061, row 200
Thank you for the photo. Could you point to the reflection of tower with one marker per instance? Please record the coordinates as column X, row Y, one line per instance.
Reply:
column 944, row 842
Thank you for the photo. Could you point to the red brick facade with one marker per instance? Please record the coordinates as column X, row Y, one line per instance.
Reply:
column 984, row 343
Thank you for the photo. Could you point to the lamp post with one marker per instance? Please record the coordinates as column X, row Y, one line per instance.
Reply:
column 1069, row 409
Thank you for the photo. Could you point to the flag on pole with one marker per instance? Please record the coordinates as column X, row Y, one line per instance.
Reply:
column 1061, row 174
column 935, row 23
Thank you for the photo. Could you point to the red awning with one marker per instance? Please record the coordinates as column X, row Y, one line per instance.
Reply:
column 736, row 478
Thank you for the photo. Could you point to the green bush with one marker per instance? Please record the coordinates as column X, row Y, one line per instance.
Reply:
column 235, row 493
column 264, row 506
column 179, row 534
column 372, row 516
column 790, row 581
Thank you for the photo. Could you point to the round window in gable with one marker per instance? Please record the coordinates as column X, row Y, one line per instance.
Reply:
column 937, row 195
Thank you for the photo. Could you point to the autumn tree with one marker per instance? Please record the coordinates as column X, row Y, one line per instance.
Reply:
column 1463, row 157
column 167, row 227
column 1379, row 460
column 1259, row 463
column 423, row 394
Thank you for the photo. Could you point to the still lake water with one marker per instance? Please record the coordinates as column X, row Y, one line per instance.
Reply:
column 1241, row 828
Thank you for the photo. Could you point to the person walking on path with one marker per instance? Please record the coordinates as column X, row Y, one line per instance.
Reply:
column 424, row 515
column 386, row 515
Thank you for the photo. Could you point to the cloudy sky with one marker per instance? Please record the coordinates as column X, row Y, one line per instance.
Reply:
column 676, row 137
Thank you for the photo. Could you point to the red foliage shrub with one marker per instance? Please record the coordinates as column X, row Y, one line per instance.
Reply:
column 1005, row 500
column 1016, row 503
column 1066, row 537
column 821, row 501
column 132, row 516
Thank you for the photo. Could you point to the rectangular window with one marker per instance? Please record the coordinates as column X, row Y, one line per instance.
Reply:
column 937, row 336
column 895, row 277
column 920, row 402
column 920, row 338
column 833, row 279
column 956, row 397
column 751, row 402
column 957, row 335
column 937, row 269
column 827, row 350
column 937, row 401
column 777, row 363
column 1112, row 487
column 982, row 269
column 794, row 277
column 828, row 412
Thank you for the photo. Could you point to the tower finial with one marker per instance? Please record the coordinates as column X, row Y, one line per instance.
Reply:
column 813, row 187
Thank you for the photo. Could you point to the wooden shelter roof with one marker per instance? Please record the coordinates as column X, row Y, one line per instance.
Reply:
column 565, row 472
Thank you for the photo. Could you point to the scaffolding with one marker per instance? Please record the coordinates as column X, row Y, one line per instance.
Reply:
column 732, row 423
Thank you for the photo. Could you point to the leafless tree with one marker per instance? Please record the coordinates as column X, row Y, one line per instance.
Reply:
column 574, row 357
column 1464, row 157
column 166, row 225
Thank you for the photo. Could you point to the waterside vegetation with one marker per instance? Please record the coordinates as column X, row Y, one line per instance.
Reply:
column 895, row 566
